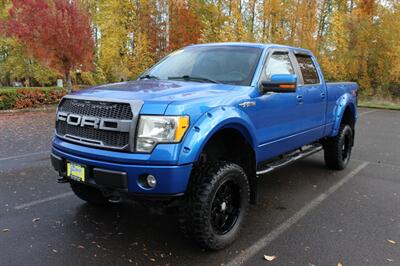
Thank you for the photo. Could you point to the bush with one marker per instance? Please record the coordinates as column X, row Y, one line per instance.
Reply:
column 19, row 98
column 7, row 99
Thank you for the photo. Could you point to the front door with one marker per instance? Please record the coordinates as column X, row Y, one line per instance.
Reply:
column 277, row 116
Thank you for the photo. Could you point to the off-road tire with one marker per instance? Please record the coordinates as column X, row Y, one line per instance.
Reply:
column 336, row 158
column 195, row 215
column 89, row 194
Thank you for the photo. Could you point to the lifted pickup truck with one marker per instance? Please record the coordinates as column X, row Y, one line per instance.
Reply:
column 199, row 128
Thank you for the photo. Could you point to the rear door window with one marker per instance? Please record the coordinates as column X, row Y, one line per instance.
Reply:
column 308, row 69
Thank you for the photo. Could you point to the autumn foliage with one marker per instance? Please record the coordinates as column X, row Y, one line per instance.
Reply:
column 57, row 33
column 356, row 40
column 184, row 25
column 30, row 97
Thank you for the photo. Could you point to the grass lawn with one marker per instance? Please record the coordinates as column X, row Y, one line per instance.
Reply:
column 381, row 104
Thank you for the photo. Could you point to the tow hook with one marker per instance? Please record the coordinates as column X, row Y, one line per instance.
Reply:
column 114, row 199
column 62, row 180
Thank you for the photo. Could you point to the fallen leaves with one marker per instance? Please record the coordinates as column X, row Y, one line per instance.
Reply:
column 391, row 241
column 269, row 258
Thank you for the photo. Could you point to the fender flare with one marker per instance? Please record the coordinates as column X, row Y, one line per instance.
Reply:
column 208, row 124
column 344, row 102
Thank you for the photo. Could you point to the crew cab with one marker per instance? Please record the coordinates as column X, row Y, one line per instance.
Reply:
column 199, row 128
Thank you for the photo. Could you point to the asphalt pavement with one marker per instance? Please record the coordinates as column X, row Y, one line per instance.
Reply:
column 307, row 215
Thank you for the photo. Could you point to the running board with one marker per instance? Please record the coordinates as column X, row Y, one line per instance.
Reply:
column 292, row 157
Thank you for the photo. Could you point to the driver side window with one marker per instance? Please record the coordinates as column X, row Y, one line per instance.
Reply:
column 278, row 63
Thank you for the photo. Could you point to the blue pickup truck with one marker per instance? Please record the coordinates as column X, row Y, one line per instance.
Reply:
column 198, row 129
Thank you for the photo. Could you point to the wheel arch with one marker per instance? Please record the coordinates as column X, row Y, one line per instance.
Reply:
column 224, row 135
column 230, row 144
column 345, row 111
column 208, row 125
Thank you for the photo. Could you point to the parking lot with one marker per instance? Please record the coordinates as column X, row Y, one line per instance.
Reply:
column 307, row 215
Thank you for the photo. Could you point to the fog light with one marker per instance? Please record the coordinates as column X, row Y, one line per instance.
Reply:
column 147, row 181
column 151, row 181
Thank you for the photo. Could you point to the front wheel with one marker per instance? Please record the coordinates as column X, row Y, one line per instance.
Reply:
column 338, row 149
column 216, row 204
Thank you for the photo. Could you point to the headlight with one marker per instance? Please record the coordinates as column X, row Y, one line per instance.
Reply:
column 160, row 129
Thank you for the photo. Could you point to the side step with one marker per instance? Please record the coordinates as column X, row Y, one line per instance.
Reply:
column 290, row 158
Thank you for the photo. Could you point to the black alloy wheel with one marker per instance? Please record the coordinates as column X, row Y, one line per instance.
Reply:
column 225, row 208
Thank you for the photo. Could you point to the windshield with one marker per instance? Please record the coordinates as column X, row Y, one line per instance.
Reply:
column 222, row 64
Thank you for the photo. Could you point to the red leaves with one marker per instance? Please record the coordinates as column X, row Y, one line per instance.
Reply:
column 185, row 26
column 56, row 34
column 29, row 98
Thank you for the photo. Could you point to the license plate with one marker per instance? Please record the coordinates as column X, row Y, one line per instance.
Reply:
column 76, row 171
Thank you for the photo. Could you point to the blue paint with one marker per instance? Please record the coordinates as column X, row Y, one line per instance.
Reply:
column 273, row 123
column 284, row 78
column 172, row 179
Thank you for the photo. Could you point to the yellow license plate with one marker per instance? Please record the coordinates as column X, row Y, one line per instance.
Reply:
column 76, row 171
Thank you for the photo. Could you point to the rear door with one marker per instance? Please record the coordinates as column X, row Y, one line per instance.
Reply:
column 313, row 93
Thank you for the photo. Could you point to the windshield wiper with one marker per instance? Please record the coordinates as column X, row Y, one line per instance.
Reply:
column 148, row 77
column 200, row 79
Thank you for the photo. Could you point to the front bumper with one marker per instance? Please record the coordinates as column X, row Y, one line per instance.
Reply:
column 171, row 179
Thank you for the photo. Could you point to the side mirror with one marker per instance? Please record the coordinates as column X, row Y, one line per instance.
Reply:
column 281, row 83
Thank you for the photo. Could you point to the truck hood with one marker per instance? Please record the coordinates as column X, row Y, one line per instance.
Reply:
column 156, row 90
column 157, row 95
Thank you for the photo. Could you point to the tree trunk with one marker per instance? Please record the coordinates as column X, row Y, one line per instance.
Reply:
column 253, row 14
column 264, row 18
column 68, row 81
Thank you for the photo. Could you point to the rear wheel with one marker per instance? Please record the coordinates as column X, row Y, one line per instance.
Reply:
column 338, row 149
column 216, row 204
column 89, row 194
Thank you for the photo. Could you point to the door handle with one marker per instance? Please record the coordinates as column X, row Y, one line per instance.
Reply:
column 299, row 98
column 323, row 95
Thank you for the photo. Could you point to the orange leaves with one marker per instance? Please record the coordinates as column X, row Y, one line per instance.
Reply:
column 184, row 25
column 27, row 98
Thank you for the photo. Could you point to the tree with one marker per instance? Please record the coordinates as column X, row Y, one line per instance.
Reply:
column 16, row 65
column 184, row 26
column 141, row 58
column 335, row 58
column 212, row 21
column 57, row 35
column 114, row 20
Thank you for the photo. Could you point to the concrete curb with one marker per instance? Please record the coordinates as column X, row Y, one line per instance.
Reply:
column 30, row 110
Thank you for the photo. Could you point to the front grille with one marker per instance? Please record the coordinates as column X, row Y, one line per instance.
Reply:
column 97, row 109
column 89, row 135
column 108, row 138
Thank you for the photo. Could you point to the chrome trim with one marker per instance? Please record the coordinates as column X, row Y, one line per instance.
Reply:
column 247, row 104
column 297, row 156
column 127, row 125
column 95, row 122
